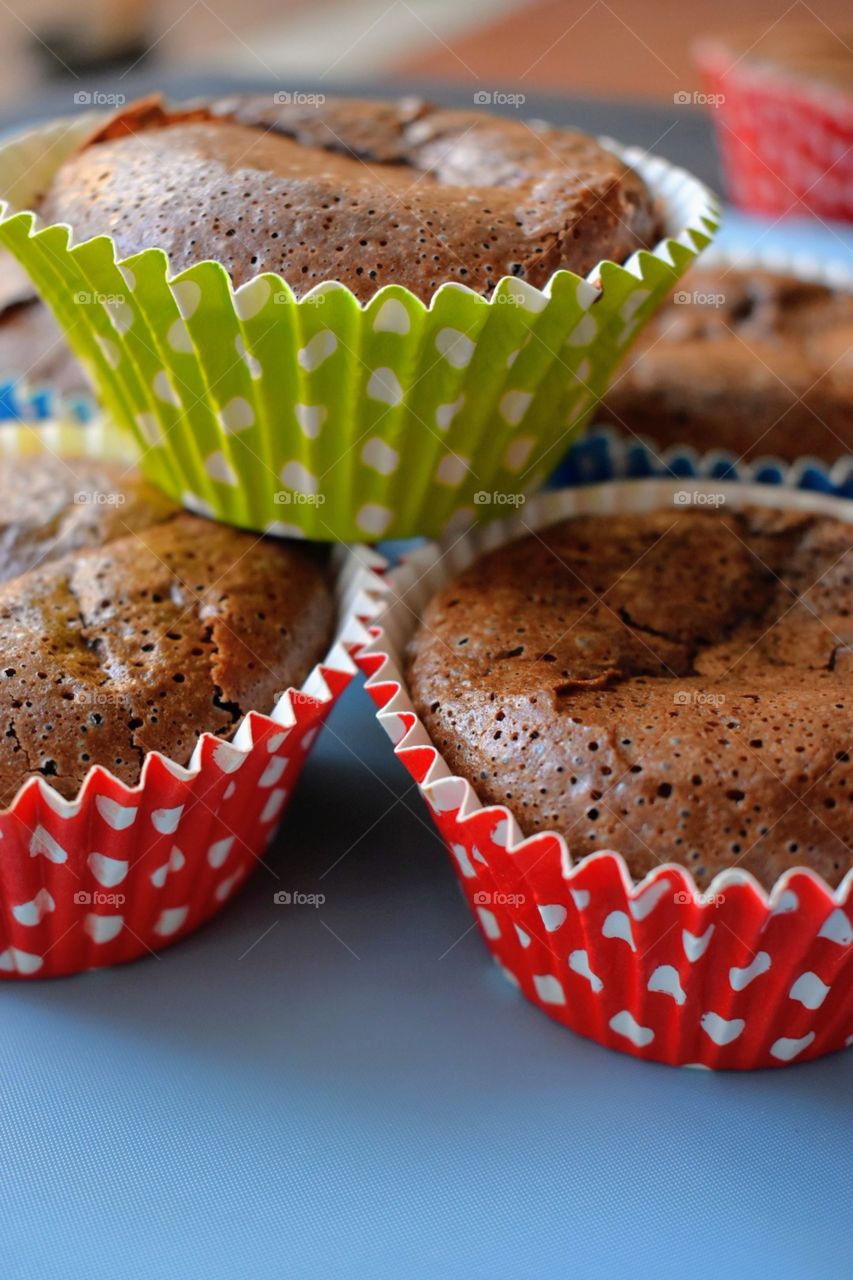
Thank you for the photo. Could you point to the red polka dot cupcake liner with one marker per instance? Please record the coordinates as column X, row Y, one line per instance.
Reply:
column 729, row 977
column 786, row 145
column 122, row 871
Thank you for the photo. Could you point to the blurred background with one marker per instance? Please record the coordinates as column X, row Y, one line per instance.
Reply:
column 625, row 68
column 636, row 49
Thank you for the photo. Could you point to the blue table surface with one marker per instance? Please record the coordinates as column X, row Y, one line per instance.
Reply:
column 830, row 243
column 352, row 1090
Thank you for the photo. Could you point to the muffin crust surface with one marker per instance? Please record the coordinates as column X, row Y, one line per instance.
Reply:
column 673, row 686
column 751, row 362
column 139, row 630
column 365, row 193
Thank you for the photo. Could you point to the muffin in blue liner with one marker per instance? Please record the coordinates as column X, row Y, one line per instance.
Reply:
column 40, row 378
column 746, row 374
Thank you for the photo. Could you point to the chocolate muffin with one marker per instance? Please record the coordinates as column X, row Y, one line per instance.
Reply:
column 137, row 627
column 364, row 193
column 673, row 686
column 32, row 348
column 752, row 362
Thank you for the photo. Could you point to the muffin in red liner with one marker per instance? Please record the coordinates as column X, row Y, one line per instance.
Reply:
column 783, row 114
column 732, row 976
column 122, row 871
column 119, row 870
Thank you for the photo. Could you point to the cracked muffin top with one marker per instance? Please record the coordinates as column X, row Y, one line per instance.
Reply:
column 364, row 193
column 130, row 626
column 672, row 686
column 749, row 361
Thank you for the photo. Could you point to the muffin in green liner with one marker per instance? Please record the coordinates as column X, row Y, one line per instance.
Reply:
column 330, row 418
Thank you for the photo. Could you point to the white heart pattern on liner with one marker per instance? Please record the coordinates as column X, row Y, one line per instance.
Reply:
column 108, row 871
column 176, row 862
column 579, row 964
column 166, row 820
column 42, row 842
column 32, row 913
column 218, row 852
column 14, row 961
column 115, row 815
column 103, row 929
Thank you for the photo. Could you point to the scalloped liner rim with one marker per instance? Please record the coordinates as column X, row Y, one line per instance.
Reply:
column 377, row 594
column 837, row 473
column 66, row 437
column 703, row 220
column 282, row 716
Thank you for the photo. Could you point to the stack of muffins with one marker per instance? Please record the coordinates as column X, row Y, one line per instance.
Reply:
column 345, row 320
column 626, row 710
column 161, row 673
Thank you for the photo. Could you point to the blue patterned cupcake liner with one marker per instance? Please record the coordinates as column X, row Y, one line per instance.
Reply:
column 607, row 454
column 22, row 403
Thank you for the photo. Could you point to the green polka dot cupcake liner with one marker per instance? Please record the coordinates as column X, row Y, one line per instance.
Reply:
column 326, row 418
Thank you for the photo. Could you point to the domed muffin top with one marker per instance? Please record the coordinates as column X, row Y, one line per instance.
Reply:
column 136, row 627
column 364, row 193
column 673, row 686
